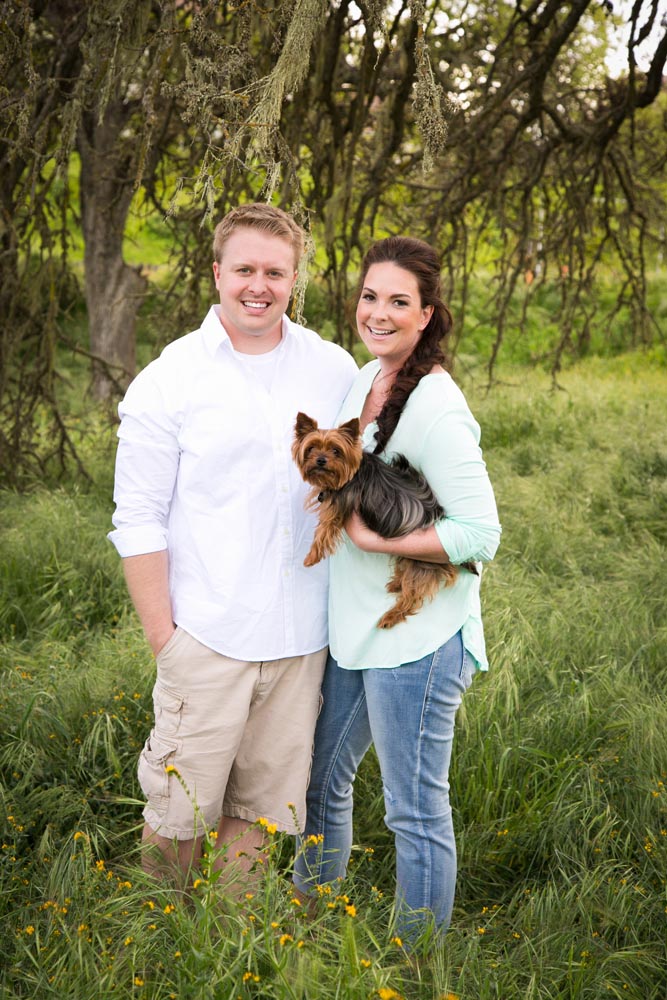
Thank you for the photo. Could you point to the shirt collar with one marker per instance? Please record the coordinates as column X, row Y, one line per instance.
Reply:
column 216, row 336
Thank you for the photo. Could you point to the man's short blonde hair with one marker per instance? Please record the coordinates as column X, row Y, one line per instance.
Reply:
column 266, row 219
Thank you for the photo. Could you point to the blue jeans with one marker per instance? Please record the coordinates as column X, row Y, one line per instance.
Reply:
column 408, row 713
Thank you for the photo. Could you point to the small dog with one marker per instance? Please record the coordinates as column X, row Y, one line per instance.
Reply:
column 393, row 499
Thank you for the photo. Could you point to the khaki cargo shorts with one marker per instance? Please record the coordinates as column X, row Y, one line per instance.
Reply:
column 230, row 738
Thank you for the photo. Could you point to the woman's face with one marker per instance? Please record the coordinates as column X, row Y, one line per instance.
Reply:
column 390, row 315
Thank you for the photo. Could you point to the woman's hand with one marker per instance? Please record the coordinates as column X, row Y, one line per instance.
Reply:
column 362, row 536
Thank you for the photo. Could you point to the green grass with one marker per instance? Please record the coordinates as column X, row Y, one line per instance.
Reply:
column 560, row 765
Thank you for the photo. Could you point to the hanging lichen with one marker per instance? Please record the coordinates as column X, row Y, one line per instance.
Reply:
column 287, row 75
column 430, row 103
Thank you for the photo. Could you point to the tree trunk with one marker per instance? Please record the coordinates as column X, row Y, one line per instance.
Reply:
column 114, row 290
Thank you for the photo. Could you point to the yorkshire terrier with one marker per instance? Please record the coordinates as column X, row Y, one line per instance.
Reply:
column 392, row 498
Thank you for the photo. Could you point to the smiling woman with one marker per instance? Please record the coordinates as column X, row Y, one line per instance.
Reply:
column 399, row 687
column 390, row 315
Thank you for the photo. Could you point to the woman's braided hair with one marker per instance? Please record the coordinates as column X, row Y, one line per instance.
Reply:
column 422, row 261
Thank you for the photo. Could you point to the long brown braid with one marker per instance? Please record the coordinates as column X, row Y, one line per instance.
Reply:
column 422, row 261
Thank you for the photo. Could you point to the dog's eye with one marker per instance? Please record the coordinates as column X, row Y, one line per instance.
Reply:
column 336, row 452
column 308, row 452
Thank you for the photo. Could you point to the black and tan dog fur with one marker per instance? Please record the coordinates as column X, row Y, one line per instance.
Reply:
column 392, row 498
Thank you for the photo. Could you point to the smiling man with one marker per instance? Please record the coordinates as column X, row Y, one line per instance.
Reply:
column 211, row 528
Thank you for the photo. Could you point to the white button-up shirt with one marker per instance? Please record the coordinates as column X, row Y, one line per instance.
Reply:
column 204, row 469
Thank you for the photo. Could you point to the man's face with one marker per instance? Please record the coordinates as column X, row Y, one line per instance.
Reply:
column 254, row 280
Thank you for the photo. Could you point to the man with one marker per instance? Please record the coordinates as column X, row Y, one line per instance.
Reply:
column 210, row 525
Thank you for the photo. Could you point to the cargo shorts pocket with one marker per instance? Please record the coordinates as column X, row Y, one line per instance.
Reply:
column 152, row 771
column 168, row 707
column 160, row 747
column 170, row 643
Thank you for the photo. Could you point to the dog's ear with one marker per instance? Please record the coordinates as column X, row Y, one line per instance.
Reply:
column 304, row 425
column 350, row 429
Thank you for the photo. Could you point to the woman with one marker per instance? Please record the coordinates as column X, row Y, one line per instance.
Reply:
column 400, row 688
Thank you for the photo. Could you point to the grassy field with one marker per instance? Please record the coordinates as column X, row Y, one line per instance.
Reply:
column 560, row 769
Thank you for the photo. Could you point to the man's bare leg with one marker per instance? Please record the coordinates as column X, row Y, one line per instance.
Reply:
column 177, row 860
column 246, row 846
column 167, row 858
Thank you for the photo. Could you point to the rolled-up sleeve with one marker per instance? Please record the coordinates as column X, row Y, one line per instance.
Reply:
column 452, row 462
column 146, row 468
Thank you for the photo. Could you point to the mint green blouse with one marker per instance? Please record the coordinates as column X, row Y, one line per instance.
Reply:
column 439, row 435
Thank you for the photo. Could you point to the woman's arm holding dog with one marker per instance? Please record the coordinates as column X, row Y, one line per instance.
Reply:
column 423, row 543
column 452, row 463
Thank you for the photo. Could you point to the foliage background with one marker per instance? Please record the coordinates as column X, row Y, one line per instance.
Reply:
column 493, row 130
column 497, row 133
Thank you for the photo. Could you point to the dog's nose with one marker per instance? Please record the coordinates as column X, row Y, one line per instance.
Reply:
column 321, row 461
